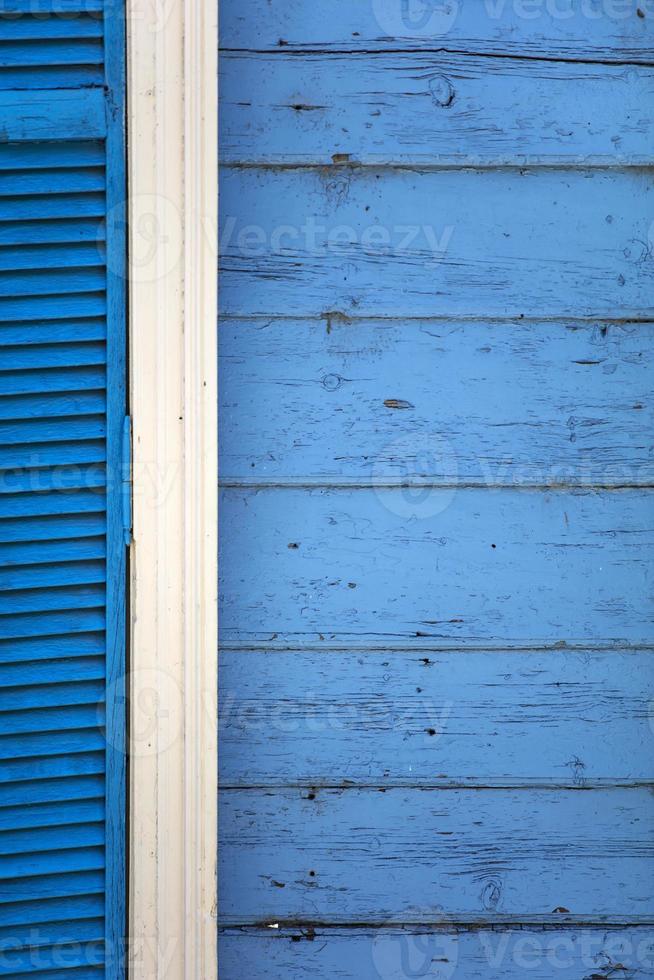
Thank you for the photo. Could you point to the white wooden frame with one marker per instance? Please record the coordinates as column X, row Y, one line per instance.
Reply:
column 172, row 136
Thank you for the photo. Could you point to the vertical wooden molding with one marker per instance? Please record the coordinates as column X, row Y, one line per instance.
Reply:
column 172, row 98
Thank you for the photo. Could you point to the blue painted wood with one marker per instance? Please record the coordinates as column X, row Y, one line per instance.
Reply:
column 53, row 114
column 435, row 451
column 441, row 568
column 382, row 242
column 445, row 953
column 384, row 718
column 282, row 109
column 484, row 403
column 570, row 29
column 62, row 551
column 397, row 855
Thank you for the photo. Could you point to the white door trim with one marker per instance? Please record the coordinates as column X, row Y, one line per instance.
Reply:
column 172, row 138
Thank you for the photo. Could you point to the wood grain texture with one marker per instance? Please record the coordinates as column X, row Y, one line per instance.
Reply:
column 438, row 109
column 394, row 953
column 571, row 29
column 484, row 403
column 40, row 115
column 373, row 242
column 441, row 567
column 483, row 857
column 312, row 718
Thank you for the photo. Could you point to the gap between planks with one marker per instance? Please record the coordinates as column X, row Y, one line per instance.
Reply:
column 463, row 923
column 371, row 162
column 348, row 319
column 307, row 484
column 413, row 646
column 299, row 52
column 447, row 785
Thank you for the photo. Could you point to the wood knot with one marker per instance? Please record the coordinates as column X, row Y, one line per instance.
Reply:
column 442, row 91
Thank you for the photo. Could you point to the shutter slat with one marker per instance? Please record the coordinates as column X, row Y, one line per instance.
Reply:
column 74, row 718
column 81, row 205
column 28, row 382
column 52, row 622
column 55, row 767
column 26, row 54
column 91, row 476
column 79, row 882
column 51, row 791
column 55, row 114
column 73, row 331
column 64, row 230
column 36, row 576
column 39, row 815
column 46, row 552
column 60, row 7
column 54, row 307
column 40, row 28
column 87, row 929
column 39, row 257
column 44, row 454
column 77, row 742
column 64, row 694
column 25, row 157
column 75, row 180
column 55, row 430
column 57, row 647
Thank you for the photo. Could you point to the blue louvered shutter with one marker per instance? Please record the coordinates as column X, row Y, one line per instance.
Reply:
column 62, row 493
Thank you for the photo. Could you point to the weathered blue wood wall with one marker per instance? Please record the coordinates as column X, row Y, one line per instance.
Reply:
column 437, row 536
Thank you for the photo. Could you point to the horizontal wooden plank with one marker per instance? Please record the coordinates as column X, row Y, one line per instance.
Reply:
column 486, row 719
column 575, row 29
column 484, row 857
column 54, row 114
column 439, row 403
column 378, row 242
column 442, row 567
column 285, row 109
column 441, row 953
